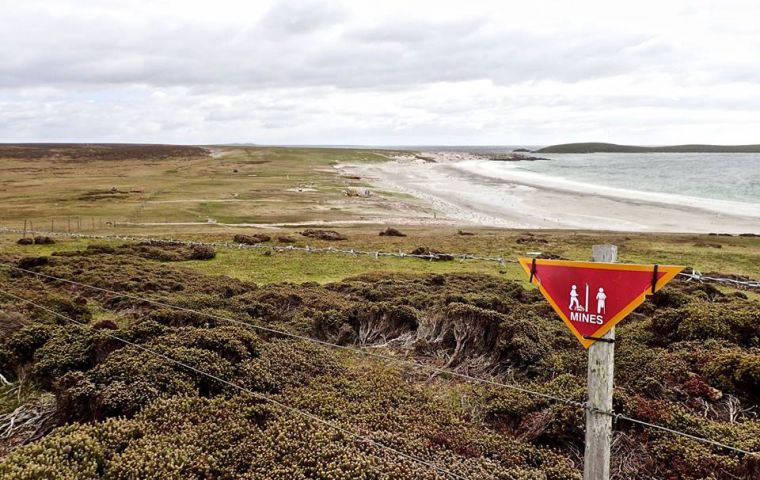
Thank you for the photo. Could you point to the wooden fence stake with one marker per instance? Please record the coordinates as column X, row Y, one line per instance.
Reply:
column 601, row 366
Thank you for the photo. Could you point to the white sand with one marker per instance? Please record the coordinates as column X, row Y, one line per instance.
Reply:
column 475, row 191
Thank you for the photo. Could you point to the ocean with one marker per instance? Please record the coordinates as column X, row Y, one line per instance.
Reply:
column 720, row 176
column 733, row 177
column 624, row 192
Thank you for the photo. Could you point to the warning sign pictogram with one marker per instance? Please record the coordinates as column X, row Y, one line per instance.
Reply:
column 592, row 297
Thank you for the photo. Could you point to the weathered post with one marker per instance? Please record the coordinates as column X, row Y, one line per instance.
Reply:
column 601, row 358
column 24, row 229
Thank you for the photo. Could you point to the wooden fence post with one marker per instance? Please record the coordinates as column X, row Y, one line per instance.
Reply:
column 601, row 358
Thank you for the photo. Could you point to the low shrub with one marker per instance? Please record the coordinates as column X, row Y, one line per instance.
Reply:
column 105, row 325
column 70, row 348
column 737, row 321
column 252, row 239
column 286, row 239
column 36, row 240
column 736, row 371
column 11, row 322
column 19, row 348
column 288, row 363
column 202, row 252
column 331, row 235
column 28, row 263
column 434, row 255
column 392, row 232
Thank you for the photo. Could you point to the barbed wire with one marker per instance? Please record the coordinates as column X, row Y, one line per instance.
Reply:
column 258, row 395
column 272, row 248
column 414, row 364
column 691, row 275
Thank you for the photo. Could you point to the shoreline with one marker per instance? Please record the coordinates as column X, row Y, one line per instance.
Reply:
column 480, row 192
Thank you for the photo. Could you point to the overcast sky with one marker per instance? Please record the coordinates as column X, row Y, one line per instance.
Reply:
column 380, row 72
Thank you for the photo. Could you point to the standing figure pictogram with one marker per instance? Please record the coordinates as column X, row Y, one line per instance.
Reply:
column 600, row 298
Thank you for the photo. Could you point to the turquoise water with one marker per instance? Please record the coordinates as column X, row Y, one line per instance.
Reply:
column 723, row 176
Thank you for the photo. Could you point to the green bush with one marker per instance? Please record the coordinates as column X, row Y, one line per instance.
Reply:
column 71, row 348
column 736, row 371
column 288, row 363
column 21, row 346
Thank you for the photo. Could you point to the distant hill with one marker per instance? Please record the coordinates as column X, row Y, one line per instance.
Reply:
column 99, row 151
column 596, row 147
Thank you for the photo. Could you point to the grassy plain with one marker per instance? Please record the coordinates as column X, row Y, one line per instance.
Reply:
column 226, row 185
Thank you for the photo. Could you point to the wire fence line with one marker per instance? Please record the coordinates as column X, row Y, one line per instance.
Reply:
column 272, row 248
column 259, row 395
column 692, row 274
column 402, row 361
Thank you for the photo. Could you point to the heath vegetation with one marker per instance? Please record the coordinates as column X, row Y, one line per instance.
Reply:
column 688, row 359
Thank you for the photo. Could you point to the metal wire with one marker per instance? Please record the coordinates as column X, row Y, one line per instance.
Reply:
column 521, row 389
column 694, row 274
column 663, row 428
column 272, row 248
column 259, row 395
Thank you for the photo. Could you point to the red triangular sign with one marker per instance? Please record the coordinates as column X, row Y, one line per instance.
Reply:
column 592, row 297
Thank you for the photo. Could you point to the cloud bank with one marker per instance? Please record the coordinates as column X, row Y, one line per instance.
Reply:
column 380, row 73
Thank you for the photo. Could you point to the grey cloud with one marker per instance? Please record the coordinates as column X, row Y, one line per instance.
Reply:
column 286, row 48
column 327, row 72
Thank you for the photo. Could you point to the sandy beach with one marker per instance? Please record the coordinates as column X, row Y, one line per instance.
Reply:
column 472, row 190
